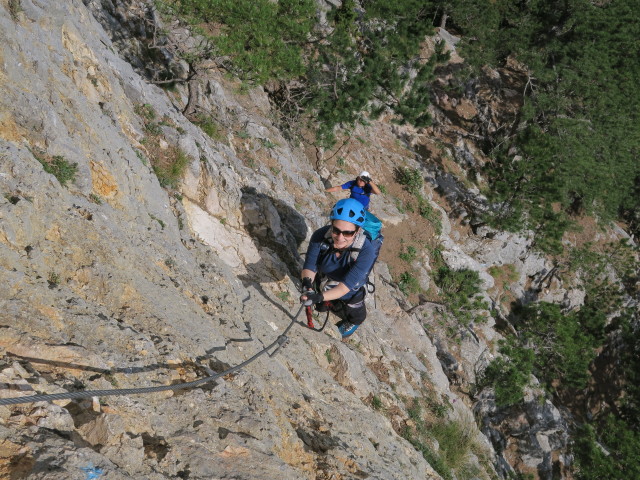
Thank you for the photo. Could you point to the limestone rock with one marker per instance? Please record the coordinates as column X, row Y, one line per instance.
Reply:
column 112, row 281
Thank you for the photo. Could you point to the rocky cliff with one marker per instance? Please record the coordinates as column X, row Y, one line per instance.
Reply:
column 117, row 275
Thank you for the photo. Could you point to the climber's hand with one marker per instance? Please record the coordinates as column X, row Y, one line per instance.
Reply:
column 310, row 297
column 307, row 284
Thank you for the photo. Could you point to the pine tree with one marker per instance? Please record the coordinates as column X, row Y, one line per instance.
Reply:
column 371, row 64
column 577, row 132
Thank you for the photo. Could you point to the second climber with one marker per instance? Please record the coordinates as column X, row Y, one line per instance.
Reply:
column 361, row 188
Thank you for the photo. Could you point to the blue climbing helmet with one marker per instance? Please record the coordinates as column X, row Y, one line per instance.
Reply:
column 349, row 210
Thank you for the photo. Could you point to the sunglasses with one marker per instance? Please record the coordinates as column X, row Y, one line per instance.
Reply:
column 345, row 233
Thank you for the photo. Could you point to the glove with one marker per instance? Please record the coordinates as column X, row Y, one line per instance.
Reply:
column 307, row 284
column 309, row 298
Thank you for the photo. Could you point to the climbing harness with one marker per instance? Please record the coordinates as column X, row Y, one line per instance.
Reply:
column 278, row 343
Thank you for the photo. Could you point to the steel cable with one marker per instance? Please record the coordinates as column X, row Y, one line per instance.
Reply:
column 279, row 342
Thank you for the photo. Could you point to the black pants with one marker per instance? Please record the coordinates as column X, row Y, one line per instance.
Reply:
column 353, row 310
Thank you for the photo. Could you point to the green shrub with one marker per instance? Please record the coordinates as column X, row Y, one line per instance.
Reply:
column 612, row 452
column 266, row 143
column 146, row 111
column 409, row 255
column 460, row 289
column 629, row 363
column 284, row 296
column 430, row 456
column 438, row 409
column 142, row 158
column 210, row 127
column 456, row 440
column 408, row 283
column 410, row 179
column 505, row 273
column 327, row 354
column 53, row 279
column 509, row 373
column 419, row 437
column 60, row 168
column 429, row 213
column 262, row 40
column 153, row 128
column 170, row 171
column 15, row 7
column 160, row 222
column 563, row 344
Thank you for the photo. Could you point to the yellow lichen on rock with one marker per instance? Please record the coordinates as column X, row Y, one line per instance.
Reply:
column 85, row 71
column 15, row 460
column 103, row 183
column 53, row 234
column 52, row 314
column 292, row 452
column 9, row 130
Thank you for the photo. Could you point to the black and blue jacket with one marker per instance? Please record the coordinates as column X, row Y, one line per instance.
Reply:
column 322, row 259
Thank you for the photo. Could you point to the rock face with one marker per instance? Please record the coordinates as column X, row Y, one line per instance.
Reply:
column 529, row 437
column 110, row 281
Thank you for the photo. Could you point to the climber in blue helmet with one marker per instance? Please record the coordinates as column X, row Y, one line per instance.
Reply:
column 337, row 264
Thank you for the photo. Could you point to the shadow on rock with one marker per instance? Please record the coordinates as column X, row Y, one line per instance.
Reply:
column 278, row 231
column 276, row 228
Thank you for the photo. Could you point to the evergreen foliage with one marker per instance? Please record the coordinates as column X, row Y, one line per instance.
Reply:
column 461, row 289
column 564, row 344
column 630, row 365
column 613, row 454
column 558, row 347
column 170, row 167
column 563, row 347
column 364, row 62
column 509, row 374
column 576, row 133
column 261, row 40
column 410, row 178
column 371, row 63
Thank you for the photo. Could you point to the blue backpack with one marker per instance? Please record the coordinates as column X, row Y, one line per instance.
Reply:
column 372, row 225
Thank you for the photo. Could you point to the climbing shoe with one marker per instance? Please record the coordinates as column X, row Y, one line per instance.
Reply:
column 346, row 328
